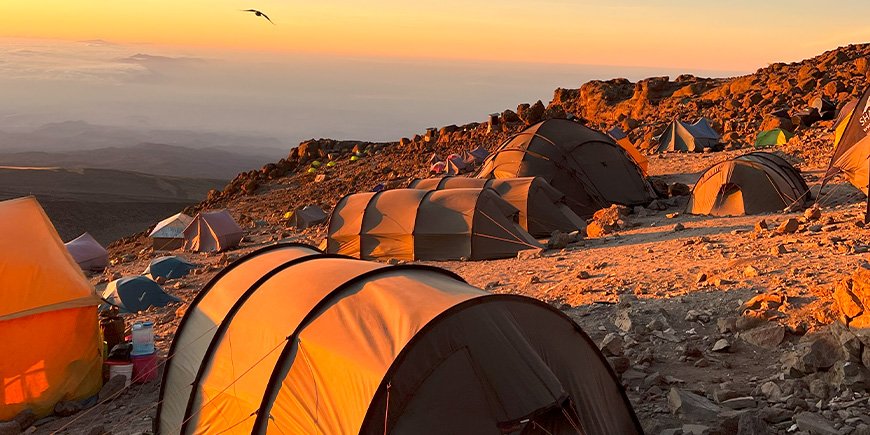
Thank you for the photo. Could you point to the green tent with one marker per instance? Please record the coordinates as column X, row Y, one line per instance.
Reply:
column 772, row 137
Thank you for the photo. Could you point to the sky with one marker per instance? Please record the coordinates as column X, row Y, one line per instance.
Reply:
column 336, row 68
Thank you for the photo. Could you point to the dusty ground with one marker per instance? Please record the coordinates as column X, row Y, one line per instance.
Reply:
column 648, row 273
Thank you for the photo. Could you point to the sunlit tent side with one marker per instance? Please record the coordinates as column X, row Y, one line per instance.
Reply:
column 49, row 336
column 851, row 156
column 168, row 234
column 412, row 224
column 88, row 252
column 682, row 136
column 586, row 165
column 289, row 340
column 169, row 267
column 306, row 217
column 750, row 184
column 625, row 142
column 212, row 231
column 772, row 137
column 133, row 294
column 542, row 208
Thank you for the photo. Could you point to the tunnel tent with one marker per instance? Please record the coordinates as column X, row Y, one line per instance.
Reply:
column 284, row 328
column 772, row 137
column 682, row 136
column 625, row 142
column 49, row 333
column 479, row 154
column 307, row 217
column 413, row 224
column 851, row 156
column 586, row 165
column 133, row 294
column 88, row 252
column 169, row 267
column 212, row 231
column 168, row 234
column 750, row 184
column 542, row 208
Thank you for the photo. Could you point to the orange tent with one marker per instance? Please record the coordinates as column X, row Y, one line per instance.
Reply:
column 49, row 335
column 623, row 141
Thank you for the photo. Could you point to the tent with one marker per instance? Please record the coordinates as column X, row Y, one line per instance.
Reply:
column 135, row 293
column 826, row 108
column 542, row 208
column 842, row 117
column 168, row 234
column 623, row 141
column 480, row 154
column 212, row 231
column 306, row 217
column 682, row 136
column 412, row 224
column 88, row 252
column 586, row 165
column 289, row 340
column 750, row 184
column 772, row 137
column 49, row 334
column 171, row 267
column 852, row 148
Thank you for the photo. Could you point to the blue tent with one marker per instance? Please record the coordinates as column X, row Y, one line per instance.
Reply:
column 170, row 267
column 135, row 293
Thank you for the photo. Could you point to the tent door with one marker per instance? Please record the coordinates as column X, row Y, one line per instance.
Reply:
column 729, row 202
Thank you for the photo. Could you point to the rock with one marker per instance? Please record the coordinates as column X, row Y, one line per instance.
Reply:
column 65, row 409
column 559, row 240
column 722, row 345
column 726, row 324
column 751, row 272
column 815, row 353
column 768, row 336
column 751, row 424
column 112, row 388
column 620, row 364
column 692, row 406
column 761, row 226
column 623, row 320
column 99, row 430
column 778, row 250
column 740, row 402
column 25, row 419
column 528, row 254
column 695, row 429
column 607, row 220
column 679, row 189
column 852, row 298
column 10, row 428
column 790, row 226
column 679, row 227
column 820, row 389
column 772, row 391
column 612, row 345
column 813, row 213
column 814, row 424
column 702, row 277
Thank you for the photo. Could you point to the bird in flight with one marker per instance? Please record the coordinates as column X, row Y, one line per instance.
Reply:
column 259, row 14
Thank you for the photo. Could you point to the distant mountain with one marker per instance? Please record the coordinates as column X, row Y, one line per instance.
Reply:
column 149, row 158
column 107, row 203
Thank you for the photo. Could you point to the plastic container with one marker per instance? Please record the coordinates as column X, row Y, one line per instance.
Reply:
column 144, row 368
column 143, row 338
column 122, row 368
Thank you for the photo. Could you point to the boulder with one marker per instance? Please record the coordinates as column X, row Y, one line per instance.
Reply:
column 767, row 336
column 679, row 189
column 814, row 424
column 691, row 406
column 10, row 428
column 852, row 299
column 789, row 226
column 751, row 424
column 112, row 388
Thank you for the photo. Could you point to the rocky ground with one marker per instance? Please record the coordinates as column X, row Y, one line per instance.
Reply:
column 715, row 325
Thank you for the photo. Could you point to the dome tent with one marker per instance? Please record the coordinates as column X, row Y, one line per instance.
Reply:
column 88, row 252
column 851, row 155
column 625, row 142
column 212, row 231
column 542, row 208
column 136, row 293
column 412, row 224
column 49, row 332
column 168, row 234
column 586, row 165
column 682, row 136
column 752, row 183
column 171, row 267
column 328, row 344
column 773, row 137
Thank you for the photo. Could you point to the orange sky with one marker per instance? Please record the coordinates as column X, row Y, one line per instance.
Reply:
column 739, row 35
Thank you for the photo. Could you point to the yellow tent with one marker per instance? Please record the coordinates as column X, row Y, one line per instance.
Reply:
column 49, row 335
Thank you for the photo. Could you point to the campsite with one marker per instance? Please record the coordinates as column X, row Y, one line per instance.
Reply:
column 662, row 250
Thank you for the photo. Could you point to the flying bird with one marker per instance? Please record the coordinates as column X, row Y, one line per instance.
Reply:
column 259, row 14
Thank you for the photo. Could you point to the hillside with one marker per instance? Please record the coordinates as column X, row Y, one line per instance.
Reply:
column 715, row 325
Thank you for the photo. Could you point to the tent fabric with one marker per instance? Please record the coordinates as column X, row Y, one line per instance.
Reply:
column 586, row 165
column 169, row 267
column 319, row 343
column 88, row 252
column 413, row 224
column 542, row 208
column 623, row 140
column 168, row 234
column 479, row 154
column 750, row 184
column 682, row 136
column 49, row 333
column 308, row 216
column 773, row 137
column 212, row 231
column 851, row 156
column 136, row 293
